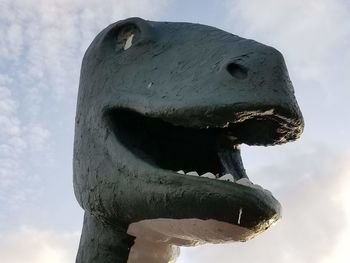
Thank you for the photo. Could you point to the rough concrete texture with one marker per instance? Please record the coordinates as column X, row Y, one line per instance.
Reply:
column 158, row 97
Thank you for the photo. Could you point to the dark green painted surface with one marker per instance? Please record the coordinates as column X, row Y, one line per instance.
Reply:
column 184, row 75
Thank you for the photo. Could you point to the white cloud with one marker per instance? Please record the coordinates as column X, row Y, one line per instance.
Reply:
column 48, row 38
column 31, row 245
column 11, row 143
column 340, row 252
column 305, row 30
column 16, row 140
column 37, row 138
column 41, row 47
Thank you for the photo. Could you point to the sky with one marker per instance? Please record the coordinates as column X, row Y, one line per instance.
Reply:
column 41, row 47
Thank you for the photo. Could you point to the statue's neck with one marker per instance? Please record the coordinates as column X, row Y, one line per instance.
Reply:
column 146, row 251
column 103, row 243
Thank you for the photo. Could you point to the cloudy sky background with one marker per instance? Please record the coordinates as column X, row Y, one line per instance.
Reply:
column 41, row 46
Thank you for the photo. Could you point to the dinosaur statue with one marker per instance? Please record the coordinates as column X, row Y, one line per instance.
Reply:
column 162, row 111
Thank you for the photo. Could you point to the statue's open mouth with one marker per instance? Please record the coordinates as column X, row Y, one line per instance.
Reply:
column 201, row 159
column 211, row 151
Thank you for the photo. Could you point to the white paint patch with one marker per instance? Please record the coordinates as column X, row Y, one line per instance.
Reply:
column 157, row 240
column 128, row 42
column 239, row 216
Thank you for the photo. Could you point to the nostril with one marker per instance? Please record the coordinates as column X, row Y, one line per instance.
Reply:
column 237, row 71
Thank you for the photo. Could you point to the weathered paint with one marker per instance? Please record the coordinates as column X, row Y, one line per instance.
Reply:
column 187, row 75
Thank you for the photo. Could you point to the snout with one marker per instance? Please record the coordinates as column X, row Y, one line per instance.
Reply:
column 259, row 77
column 248, row 91
column 258, row 91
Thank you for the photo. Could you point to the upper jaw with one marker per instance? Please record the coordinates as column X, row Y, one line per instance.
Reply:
column 252, row 124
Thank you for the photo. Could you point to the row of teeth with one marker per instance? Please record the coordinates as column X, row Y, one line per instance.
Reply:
column 225, row 177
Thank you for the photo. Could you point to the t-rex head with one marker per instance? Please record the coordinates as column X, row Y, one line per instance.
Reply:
column 157, row 100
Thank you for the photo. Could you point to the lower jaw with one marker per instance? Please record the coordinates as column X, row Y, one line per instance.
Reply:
column 153, row 192
column 180, row 198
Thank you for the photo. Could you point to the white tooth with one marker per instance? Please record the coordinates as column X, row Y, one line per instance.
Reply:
column 247, row 182
column 128, row 42
column 194, row 173
column 227, row 177
column 244, row 181
column 180, row 172
column 208, row 175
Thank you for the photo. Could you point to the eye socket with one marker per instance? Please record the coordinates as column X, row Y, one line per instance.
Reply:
column 126, row 36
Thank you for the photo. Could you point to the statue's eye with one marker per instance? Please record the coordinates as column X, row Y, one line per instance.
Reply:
column 126, row 36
